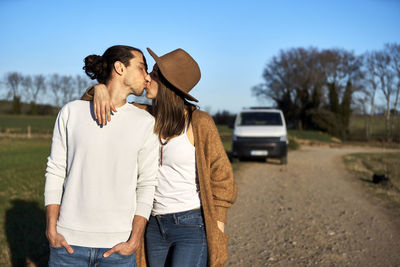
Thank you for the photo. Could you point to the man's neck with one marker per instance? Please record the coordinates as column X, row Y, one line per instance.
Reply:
column 118, row 94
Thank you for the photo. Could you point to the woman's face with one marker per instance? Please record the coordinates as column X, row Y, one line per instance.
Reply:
column 152, row 86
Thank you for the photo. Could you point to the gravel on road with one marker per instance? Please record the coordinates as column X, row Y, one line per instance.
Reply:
column 311, row 212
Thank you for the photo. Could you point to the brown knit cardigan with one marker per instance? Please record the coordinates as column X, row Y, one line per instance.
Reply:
column 217, row 187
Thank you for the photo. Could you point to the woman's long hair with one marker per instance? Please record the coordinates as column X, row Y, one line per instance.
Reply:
column 168, row 108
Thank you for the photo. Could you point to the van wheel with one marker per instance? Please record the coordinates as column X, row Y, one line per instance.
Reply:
column 284, row 160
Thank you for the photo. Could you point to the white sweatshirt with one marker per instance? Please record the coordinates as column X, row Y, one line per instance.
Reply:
column 101, row 176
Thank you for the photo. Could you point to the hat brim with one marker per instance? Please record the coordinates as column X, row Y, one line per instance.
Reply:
column 163, row 72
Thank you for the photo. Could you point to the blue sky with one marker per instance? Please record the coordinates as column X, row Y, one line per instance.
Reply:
column 231, row 40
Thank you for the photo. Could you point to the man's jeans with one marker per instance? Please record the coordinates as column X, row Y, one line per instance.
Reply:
column 177, row 239
column 84, row 256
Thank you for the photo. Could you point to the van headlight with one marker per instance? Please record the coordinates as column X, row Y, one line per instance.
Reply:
column 283, row 138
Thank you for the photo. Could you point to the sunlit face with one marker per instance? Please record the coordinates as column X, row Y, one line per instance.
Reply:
column 152, row 86
column 136, row 76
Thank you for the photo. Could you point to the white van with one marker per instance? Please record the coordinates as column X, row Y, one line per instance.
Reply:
column 260, row 132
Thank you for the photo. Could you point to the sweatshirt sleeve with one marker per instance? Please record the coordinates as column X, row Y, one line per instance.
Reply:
column 222, row 183
column 147, row 174
column 57, row 161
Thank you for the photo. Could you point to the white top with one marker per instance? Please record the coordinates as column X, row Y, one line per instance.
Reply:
column 178, row 188
column 101, row 176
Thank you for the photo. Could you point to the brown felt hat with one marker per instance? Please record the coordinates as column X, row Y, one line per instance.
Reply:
column 180, row 69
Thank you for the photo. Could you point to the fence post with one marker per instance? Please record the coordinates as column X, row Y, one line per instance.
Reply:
column 29, row 132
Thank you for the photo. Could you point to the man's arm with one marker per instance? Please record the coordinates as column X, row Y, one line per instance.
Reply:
column 55, row 239
column 55, row 176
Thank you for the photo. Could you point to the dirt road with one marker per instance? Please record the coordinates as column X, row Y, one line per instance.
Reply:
column 309, row 213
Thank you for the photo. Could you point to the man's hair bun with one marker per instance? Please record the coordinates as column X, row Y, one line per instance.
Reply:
column 96, row 68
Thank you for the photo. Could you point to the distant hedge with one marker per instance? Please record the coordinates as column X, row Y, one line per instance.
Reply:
column 6, row 107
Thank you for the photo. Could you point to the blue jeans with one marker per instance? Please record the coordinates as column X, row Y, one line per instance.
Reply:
column 177, row 239
column 84, row 256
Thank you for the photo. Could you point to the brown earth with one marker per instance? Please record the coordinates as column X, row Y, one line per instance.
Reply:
column 311, row 212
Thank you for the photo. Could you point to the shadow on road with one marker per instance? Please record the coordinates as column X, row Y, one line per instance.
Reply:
column 366, row 180
column 25, row 229
column 271, row 161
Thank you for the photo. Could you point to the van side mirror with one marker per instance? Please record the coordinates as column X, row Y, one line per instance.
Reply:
column 230, row 125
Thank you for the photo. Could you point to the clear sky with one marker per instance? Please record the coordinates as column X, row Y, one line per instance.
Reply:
column 231, row 40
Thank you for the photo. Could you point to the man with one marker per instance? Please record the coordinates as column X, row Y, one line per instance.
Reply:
column 100, row 180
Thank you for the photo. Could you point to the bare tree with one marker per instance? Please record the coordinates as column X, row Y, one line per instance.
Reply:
column 343, row 78
column 385, row 76
column 361, row 104
column 294, row 80
column 372, row 80
column 34, row 87
column 394, row 51
column 313, row 88
column 13, row 82
column 3, row 87
column 82, row 82
column 67, row 89
column 39, row 86
column 27, row 87
column 54, row 83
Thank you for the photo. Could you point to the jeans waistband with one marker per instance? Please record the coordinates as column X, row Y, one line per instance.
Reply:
column 179, row 214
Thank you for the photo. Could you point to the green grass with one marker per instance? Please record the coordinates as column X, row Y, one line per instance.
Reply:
column 378, row 131
column 293, row 144
column 22, row 216
column 45, row 124
column 311, row 135
column 19, row 123
column 226, row 136
column 364, row 165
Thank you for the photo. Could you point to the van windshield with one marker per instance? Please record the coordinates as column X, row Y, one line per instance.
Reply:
column 259, row 118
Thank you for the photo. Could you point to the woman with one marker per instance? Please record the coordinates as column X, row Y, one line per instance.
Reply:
column 195, row 177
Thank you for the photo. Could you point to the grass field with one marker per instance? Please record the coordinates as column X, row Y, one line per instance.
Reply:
column 315, row 136
column 22, row 217
column 45, row 124
column 358, row 125
column 364, row 165
column 20, row 123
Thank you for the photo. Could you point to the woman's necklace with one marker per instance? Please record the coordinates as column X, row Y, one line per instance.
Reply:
column 161, row 154
column 163, row 143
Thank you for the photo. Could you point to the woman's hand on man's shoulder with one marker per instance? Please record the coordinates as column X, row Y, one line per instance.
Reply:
column 102, row 104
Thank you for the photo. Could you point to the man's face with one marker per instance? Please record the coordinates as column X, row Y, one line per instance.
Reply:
column 136, row 76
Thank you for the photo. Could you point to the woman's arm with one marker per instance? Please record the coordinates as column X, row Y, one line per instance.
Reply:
column 222, row 183
column 102, row 104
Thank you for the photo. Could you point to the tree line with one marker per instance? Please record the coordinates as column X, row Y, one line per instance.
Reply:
column 56, row 89
column 320, row 89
